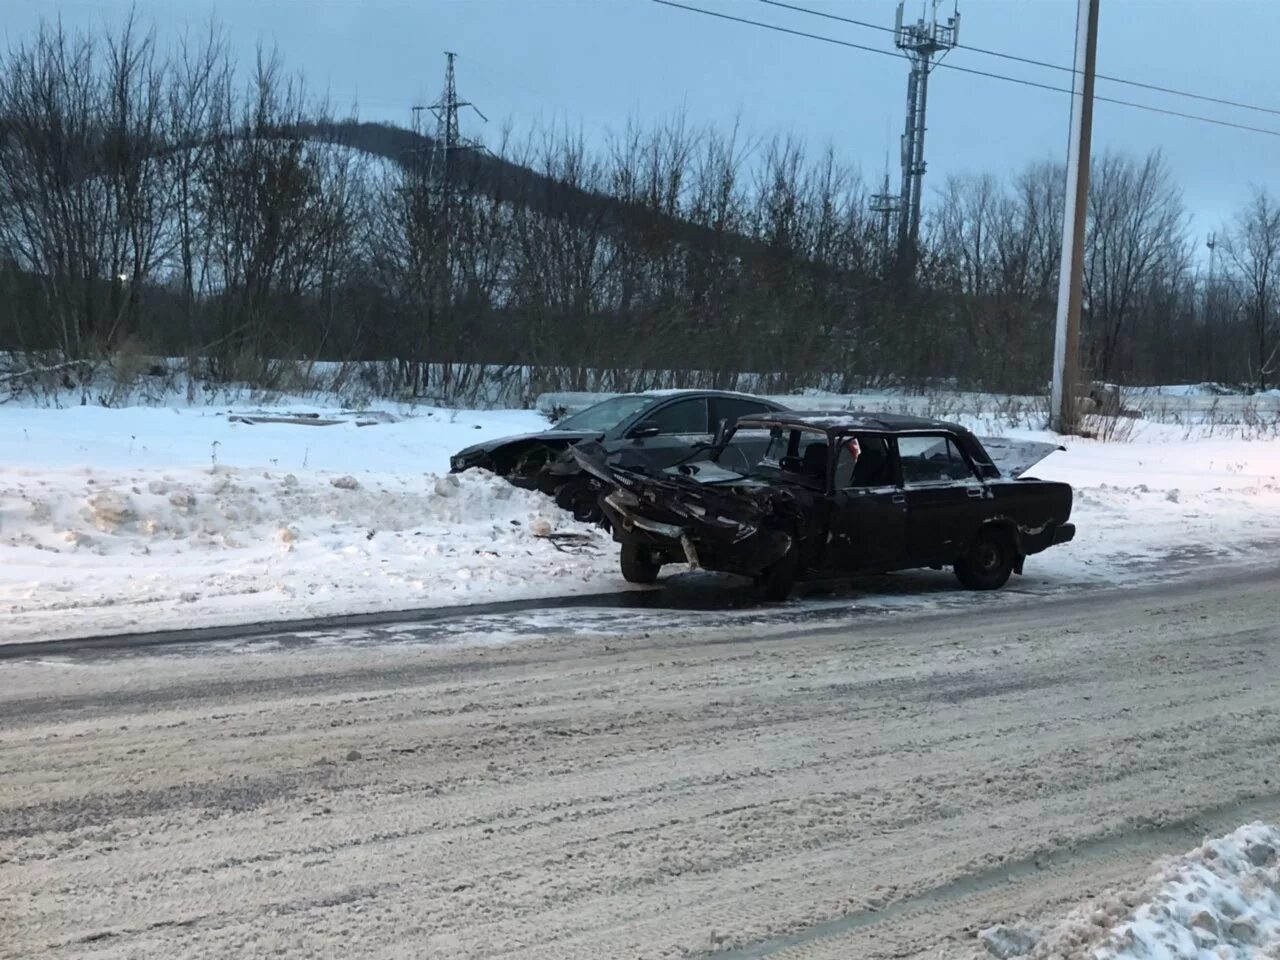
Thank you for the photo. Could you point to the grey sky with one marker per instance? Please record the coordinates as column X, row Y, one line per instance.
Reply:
column 595, row 63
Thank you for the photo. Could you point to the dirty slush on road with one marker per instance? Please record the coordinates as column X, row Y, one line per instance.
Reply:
column 880, row 790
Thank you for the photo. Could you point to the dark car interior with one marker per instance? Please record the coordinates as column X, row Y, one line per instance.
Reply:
column 873, row 466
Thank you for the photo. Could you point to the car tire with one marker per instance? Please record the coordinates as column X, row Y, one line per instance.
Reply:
column 774, row 584
column 580, row 498
column 638, row 564
column 988, row 562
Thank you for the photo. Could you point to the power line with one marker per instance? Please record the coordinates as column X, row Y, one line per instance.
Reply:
column 1221, row 101
column 970, row 70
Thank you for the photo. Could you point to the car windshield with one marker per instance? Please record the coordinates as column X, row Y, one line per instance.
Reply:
column 605, row 415
column 790, row 454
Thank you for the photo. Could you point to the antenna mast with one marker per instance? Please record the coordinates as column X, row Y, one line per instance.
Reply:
column 921, row 41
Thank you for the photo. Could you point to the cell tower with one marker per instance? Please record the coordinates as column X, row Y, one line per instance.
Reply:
column 921, row 41
column 449, row 137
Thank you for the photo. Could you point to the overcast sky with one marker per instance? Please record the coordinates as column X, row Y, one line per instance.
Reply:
column 594, row 63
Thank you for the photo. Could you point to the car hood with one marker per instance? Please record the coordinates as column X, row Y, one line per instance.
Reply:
column 550, row 436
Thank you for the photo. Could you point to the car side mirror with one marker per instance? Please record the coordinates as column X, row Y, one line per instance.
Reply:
column 646, row 429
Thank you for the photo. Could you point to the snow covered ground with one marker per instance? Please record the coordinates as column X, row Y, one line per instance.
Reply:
column 119, row 520
column 116, row 520
column 1221, row 901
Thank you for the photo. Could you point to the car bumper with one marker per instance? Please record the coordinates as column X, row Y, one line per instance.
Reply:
column 700, row 545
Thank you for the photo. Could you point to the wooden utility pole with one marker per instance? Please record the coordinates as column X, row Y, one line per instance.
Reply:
column 1066, row 341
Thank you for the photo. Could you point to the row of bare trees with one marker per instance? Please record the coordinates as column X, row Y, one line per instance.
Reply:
column 173, row 203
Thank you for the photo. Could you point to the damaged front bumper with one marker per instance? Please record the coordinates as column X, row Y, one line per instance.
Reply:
column 628, row 522
column 695, row 532
column 733, row 528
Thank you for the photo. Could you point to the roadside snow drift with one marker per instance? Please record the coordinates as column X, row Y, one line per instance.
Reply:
column 146, row 519
column 1221, row 901
column 89, row 552
column 122, row 520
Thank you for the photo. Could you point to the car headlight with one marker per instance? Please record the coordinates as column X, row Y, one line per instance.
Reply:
column 458, row 464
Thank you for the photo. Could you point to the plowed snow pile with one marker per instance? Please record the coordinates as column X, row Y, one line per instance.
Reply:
column 1221, row 901
column 101, row 549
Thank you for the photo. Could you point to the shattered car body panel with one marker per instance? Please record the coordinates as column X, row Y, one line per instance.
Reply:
column 839, row 493
column 735, row 528
column 643, row 431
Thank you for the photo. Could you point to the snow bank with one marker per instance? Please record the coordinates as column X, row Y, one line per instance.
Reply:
column 187, row 518
column 88, row 551
column 1221, row 901
column 1165, row 500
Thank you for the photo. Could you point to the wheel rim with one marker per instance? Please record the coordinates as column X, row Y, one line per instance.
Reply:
column 988, row 557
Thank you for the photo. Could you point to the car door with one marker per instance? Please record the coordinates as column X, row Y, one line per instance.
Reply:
column 867, row 526
column 680, row 423
column 946, row 500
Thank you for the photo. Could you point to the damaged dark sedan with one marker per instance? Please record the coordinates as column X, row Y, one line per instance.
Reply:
column 640, row 430
column 837, row 494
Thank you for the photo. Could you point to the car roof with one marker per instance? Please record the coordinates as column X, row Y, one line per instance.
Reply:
column 841, row 421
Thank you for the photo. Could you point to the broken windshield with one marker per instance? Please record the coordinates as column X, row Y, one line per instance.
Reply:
column 794, row 454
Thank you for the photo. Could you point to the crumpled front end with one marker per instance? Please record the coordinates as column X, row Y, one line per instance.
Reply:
column 735, row 528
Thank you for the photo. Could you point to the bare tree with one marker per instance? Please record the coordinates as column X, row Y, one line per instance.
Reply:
column 54, row 202
column 199, row 99
column 1136, row 236
column 1253, row 249
column 149, row 198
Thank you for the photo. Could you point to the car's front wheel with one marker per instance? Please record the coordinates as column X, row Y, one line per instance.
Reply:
column 775, row 582
column 580, row 497
column 988, row 562
column 638, row 564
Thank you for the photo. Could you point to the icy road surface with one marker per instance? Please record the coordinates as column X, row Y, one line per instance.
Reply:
column 886, row 788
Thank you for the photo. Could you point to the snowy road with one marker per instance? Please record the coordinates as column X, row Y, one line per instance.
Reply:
column 762, row 788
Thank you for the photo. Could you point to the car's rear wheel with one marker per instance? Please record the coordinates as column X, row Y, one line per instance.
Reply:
column 988, row 562
column 638, row 564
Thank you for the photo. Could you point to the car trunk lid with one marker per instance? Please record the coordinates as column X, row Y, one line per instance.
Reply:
column 1013, row 457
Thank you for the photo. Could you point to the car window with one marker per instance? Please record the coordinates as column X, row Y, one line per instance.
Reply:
column 795, row 453
column 863, row 461
column 606, row 414
column 731, row 408
column 800, row 453
column 931, row 459
column 683, row 416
